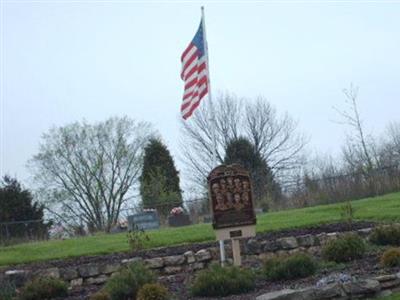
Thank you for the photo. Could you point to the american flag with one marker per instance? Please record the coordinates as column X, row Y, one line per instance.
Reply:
column 195, row 72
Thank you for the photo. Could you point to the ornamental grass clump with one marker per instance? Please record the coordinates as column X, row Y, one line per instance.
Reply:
column 391, row 258
column 153, row 291
column 345, row 248
column 223, row 281
column 100, row 295
column 43, row 288
column 7, row 290
column 386, row 235
column 127, row 282
column 291, row 267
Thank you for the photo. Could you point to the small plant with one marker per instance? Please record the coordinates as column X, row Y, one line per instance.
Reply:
column 100, row 295
column 152, row 291
column 391, row 258
column 330, row 266
column 386, row 235
column 136, row 238
column 126, row 284
column 347, row 214
column 43, row 288
column 345, row 248
column 223, row 281
column 7, row 290
column 295, row 266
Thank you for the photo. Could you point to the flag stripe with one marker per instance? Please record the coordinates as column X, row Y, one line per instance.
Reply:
column 197, row 95
column 194, row 73
column 190, row 47
column 192, row 60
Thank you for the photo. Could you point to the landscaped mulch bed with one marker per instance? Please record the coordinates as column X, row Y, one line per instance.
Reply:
column 178, row 284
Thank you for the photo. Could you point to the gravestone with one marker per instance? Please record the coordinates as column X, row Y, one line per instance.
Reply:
column 179, row 220
column 231, row 201
column 144, row 220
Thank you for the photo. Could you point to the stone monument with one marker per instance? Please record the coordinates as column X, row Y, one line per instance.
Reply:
column 231, row 202
column 145, row 220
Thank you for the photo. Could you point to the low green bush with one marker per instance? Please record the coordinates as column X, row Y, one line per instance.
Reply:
column 7, row 290
column 126, row 283
column 386, row 235
column 100, row 295
column 223, row 281
column 330, row 266
column 391, row 258
column 291, row 267
column 43, row 288
column 153, row 291
column 344, row 249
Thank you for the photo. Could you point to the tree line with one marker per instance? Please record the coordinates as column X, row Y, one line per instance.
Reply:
column 368, row 166
column 86, row 174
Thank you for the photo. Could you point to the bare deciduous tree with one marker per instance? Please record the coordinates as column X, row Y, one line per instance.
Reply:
column 390, row 151
column 360, row 150
column 275, row 137
column 87, row 172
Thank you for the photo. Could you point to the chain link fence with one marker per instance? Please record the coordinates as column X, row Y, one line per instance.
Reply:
column 23, row 231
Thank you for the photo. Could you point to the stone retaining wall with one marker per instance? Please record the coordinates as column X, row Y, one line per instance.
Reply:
column 254, row 249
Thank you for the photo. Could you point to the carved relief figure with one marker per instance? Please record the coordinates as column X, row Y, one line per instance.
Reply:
column 220, row 202
column 237, row 204
column 222, row 183
column 229, row 198
column 246, row 186
column 230, row 183
column 238, row 185
column 246, row 198
column 215, row 188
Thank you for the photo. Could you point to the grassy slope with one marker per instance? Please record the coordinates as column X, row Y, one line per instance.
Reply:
column 384, row 208
column 392, row 297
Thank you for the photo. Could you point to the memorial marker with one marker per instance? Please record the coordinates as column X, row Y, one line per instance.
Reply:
column 231, row 202
column 144, row 221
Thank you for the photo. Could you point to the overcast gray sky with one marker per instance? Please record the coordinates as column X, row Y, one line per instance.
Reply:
column 63, row 62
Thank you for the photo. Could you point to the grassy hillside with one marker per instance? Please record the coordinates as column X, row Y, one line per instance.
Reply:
column 392, row 297
column 384, row 208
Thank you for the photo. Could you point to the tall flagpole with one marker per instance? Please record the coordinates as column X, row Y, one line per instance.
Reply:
column 214, row 138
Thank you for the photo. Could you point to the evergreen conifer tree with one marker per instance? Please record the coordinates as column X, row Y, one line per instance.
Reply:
column 16, row 205
column 159, row 182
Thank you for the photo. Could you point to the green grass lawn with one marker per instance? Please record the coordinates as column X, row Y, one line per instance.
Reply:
column 385, row 208
column 391, row 297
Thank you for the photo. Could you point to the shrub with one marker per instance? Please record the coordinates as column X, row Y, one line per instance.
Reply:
column 391, row 258
column 345, row 248
column 126, row 284
column 7, row 290
column 295, row 266
column 347, row 213
column 222, row 281
column 152, row 291
column 100, row 295
column 386, row 235
column 43, row 288
column 330, row 266
column 136, row 238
